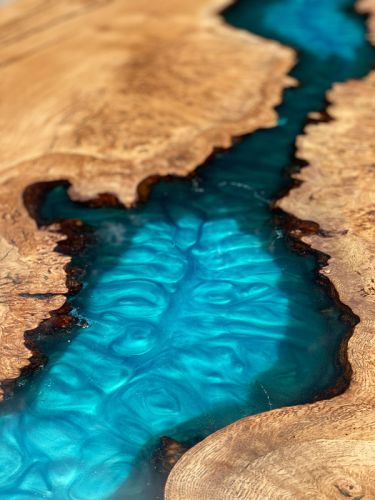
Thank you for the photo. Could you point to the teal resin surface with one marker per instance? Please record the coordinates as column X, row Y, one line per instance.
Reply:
column 198, row 313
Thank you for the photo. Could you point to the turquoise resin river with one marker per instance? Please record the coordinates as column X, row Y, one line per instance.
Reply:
column 197, row 311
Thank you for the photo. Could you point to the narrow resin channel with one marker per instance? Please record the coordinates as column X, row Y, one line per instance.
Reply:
column 198, row 313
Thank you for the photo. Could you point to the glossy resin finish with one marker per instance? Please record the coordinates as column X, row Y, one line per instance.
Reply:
column 197, row 311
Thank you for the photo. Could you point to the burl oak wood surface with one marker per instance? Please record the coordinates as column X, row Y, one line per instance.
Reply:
column 324, row 450
column 105, row 94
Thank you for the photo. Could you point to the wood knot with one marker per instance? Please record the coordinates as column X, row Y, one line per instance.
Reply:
column 349, row 488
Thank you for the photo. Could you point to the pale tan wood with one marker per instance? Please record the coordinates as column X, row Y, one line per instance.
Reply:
column 104, row 94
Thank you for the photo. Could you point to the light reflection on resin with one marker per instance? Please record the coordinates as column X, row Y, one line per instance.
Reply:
column 198, row 313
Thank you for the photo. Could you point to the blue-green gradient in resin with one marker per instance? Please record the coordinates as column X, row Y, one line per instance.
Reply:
column 198, row 314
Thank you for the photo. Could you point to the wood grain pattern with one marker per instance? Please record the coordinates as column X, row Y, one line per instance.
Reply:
column 324, row 450
column 105, row 94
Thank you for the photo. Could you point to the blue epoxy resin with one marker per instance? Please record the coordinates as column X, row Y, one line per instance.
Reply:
column 198, row 313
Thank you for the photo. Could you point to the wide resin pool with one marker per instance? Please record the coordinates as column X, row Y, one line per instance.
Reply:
column 198, row 313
